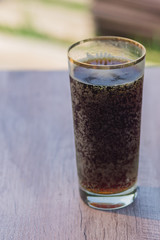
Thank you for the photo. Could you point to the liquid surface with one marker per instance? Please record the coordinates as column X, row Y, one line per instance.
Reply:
column 106, row 77
column 105, row 61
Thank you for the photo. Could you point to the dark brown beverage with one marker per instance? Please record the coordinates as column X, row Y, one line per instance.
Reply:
column 107, row 116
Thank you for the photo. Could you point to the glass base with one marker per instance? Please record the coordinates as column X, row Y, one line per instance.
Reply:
column 109, row 201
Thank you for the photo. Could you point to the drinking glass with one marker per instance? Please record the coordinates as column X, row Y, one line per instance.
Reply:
column 106, row 81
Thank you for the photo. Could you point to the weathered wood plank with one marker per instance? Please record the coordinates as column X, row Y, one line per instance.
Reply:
column 144, row 5
column 129, row 18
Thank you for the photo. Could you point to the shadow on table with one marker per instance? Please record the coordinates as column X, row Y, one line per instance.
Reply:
column 147, row 204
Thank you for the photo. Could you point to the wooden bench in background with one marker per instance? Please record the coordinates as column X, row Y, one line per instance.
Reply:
column 127, row 17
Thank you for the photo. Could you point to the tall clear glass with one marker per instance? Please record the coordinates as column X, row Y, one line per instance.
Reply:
column 106, row 80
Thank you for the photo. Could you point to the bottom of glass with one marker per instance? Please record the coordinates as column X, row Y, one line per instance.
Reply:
column 109, row 201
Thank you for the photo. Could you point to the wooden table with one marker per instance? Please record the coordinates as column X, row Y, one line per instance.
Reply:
column 39, row 197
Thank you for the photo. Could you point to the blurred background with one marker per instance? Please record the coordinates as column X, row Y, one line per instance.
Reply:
column 35, row 34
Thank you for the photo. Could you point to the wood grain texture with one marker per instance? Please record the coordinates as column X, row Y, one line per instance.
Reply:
column 140, row 18
column 39, row 197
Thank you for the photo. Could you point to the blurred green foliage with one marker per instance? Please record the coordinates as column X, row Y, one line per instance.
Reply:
column 65, row 4
column 30, row 32
column 152, row 48
column 27, row 30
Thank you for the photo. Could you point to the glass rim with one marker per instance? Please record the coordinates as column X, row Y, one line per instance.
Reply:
column 114, row 66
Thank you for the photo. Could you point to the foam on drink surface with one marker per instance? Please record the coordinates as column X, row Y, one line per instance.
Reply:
column 106, row 77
